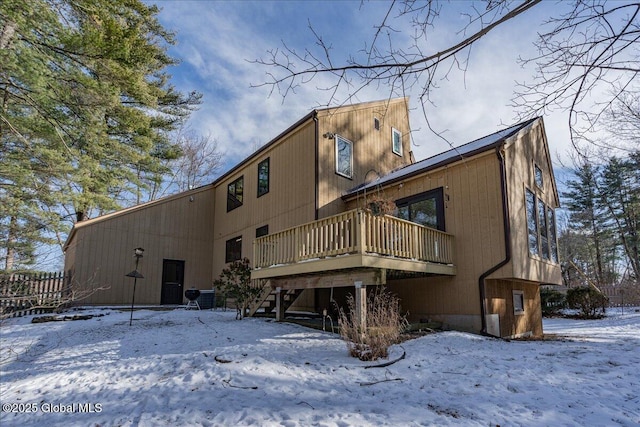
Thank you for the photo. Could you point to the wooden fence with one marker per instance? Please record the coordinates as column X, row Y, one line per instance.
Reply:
column 22, row 294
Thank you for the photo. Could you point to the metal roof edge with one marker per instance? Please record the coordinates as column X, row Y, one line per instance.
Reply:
column 456, row 157
column 131, row 209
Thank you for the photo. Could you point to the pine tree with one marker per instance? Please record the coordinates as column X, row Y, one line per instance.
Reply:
column 86, row 110
column 589, row 219
column 621, row 196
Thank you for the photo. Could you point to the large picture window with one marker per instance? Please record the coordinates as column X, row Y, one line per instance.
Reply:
column 426, row 209
column 532, row 223
column 553, row 243
column 544, row 230
column 344, row 157
column 263, row 177
column 235, row 194
column 233, row 249
column 541, row 228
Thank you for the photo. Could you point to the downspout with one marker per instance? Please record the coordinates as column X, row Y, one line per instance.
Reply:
column 507, row 241
column 317, row 171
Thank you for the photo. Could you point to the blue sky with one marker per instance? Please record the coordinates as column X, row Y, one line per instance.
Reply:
column 217, row 40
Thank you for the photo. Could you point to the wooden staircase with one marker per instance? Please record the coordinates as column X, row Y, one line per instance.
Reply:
column 265, row 304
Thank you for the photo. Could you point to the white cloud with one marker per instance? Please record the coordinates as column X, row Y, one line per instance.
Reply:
column 216, row 41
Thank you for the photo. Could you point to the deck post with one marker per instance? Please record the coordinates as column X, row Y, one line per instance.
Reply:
column 361, row 232
column 361, row 305
column 279, row 304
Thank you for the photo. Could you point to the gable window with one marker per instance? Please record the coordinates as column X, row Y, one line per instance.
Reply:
column 426, row 209
column 538, row 176
column 396, row 141
column 262, row 231
column 518, row 302
column 233, row 249
column 532, row 223
column 235, row 192
column 263, row 177
column 376, row 123
column 344, row 157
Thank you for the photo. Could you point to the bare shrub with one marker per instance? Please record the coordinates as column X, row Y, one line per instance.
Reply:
column 385, row 324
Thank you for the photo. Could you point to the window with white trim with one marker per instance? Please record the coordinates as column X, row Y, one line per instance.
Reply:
column 396, row 141
column 344, row 157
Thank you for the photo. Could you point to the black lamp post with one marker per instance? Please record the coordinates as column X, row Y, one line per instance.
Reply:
column 137, row 253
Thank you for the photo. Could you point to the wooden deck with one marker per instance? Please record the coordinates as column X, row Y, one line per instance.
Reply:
column 353, row 240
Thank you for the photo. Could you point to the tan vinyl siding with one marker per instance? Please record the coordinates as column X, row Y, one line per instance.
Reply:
column 290, row 200
column 521, row 156
column 500, row 301
column 101, row 251
column 473, row 214
column 194, row 226
column 372, row 149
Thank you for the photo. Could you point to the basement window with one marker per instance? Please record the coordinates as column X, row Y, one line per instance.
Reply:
column 235, row 194
column 344, row 157
column 518, row 302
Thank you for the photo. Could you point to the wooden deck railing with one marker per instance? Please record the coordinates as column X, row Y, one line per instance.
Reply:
column 352, row 232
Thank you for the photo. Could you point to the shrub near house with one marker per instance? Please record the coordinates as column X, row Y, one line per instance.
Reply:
column 590, row 302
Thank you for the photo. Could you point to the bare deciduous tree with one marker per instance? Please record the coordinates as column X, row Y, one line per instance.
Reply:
column 591, row 47
column 590, row 52
column 200, row 161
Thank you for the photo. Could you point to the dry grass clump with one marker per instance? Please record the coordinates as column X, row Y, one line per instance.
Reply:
column 385, row 324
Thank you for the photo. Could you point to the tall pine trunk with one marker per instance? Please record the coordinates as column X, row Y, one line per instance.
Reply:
column 11, row 241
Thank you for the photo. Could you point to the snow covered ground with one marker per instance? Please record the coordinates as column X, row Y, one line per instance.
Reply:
column 204, row 368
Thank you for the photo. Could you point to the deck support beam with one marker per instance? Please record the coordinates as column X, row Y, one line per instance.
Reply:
column 279, row 304
column 361, row 305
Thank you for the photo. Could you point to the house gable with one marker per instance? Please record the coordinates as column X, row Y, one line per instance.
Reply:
column 529, row 170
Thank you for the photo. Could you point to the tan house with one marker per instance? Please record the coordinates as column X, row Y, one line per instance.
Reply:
column 471, row 238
